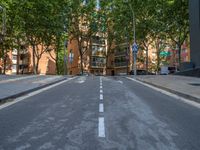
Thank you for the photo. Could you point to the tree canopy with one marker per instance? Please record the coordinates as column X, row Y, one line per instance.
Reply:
column 34, row 22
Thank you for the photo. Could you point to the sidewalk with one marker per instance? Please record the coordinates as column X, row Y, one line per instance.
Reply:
column 188, row 87
column 14, row 86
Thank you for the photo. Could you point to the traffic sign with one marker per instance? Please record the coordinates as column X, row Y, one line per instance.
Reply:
column 135, row 47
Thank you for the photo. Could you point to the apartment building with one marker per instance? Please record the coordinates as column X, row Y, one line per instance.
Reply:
column 21, row 62
column 97, row 59
column 94, row 58
column 120, row 60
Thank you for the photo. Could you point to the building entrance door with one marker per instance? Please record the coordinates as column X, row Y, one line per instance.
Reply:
column 112, row 72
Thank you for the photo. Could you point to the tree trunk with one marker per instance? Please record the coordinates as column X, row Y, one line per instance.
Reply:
column 179, row 55
column 37, row 65
column 57, row 64
column 107, row 56
column 18, row 58
column 57, row 54
column 81, row 55
column 4, row 61
column 147, row 60
column 127, row 55
column 34, row 65
column 158, row 55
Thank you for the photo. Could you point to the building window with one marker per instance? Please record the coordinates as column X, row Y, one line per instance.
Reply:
column 14, row 51
column 14, row 57
column 98, row 40
column 120, row 61
column 98, row 50
column 14, row 68
column 98, row 61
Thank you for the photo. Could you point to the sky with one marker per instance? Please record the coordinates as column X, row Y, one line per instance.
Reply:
column 98, row 6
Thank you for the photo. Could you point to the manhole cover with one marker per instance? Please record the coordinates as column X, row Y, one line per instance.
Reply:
column 195, row 84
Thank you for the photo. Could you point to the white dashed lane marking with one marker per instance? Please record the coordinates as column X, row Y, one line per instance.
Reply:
column 101, row 108
column 101, row 96
column 101, row 124
column 101, row 127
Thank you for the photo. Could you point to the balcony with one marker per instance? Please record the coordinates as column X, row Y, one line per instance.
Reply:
column 98, row 40
column 97, row 65
column 120, row 64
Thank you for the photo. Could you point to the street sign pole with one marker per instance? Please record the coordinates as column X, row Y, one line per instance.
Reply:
column 135, row 47
column 134, row 50
column 135, row 69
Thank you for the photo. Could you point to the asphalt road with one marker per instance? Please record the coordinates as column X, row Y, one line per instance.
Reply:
column 100, row 113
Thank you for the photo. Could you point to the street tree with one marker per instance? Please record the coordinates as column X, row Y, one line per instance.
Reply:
column 41, row 23
column 82, row 25
column 177, row 22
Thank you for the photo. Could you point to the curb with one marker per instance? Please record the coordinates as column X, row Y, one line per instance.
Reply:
column 14, row 96
column 189, row 97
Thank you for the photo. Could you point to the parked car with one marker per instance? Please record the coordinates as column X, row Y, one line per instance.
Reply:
column 84, row 74
column 165, row 70
column 139, row 72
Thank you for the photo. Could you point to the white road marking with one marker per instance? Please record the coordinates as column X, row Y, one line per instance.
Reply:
column 187, row 101
column 81, row 80
column 46, row 80
column 101, row 108
column 120, row 81
column 33, row 93
column 101, row 96
column 101, row 127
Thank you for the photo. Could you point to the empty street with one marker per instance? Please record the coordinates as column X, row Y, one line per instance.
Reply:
column 100, row 113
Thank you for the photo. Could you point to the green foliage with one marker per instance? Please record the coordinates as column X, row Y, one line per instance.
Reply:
column 61, row 62
column 33, row 23
column 83, row 23
column 154, row 20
